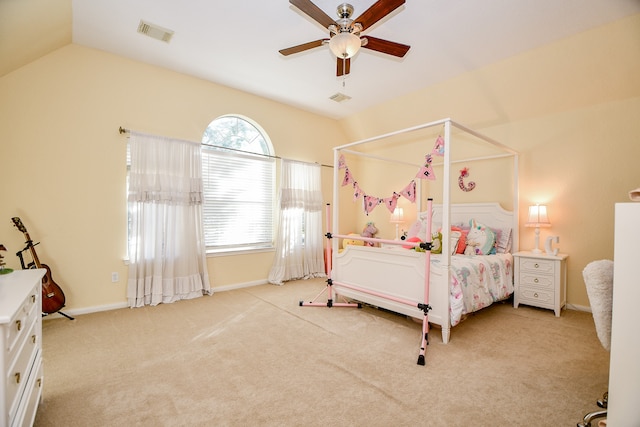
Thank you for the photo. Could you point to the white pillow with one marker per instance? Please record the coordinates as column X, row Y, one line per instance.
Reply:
column 454, row 236
column 418, row 229
column 503, row 241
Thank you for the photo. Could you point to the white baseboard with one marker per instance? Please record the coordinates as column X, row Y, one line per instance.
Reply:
column 80, row 311
column 107, row 307
column 239, row 285
column 578, row 308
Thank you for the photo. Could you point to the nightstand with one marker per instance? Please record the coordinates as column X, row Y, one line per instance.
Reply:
column 540, row 280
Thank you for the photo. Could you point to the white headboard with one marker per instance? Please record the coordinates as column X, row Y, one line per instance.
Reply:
column 489, row 214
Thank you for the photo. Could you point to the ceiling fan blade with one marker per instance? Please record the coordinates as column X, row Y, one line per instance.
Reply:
column 302, row 47
column 377, row 11
column 343, row 67
column 314, row 12
column 385, row 46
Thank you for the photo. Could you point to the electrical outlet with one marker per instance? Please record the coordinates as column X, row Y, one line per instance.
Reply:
column 114, row 277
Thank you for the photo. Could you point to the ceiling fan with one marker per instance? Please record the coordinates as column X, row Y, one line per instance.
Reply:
column 345, row 37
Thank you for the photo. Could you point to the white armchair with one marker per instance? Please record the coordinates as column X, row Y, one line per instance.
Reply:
column 598, row 278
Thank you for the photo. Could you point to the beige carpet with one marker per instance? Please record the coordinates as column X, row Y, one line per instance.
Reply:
column 255, row 357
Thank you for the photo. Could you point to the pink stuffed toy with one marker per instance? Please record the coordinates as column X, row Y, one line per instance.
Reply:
column 369, row 231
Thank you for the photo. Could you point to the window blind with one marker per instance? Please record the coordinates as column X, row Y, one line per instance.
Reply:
column 238, row 206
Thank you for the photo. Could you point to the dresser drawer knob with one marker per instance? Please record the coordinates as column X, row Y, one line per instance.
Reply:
column 18, row 325
column 39, row 382
column 535, row 295
column 33, row 338
column 536, row 265
column 33, row 298
column 536, row 280
column 17, row 377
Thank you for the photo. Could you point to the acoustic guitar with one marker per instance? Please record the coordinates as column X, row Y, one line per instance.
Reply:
column 53, row 298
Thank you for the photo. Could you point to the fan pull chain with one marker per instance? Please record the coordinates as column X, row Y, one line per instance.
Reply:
column 344, row 71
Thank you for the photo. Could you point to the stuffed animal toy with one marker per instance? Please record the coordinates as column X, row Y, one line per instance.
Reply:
column 436, row 243
column 370, row 231
column 472, row 248
column 480, row 239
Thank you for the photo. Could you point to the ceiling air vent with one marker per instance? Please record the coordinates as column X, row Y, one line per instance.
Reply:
column 155, row 31
column 339, row 97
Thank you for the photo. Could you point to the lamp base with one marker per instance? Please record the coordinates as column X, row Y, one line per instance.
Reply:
column 537, row 250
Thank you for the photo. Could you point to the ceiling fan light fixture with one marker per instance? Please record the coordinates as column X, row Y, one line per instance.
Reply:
column 344, row 45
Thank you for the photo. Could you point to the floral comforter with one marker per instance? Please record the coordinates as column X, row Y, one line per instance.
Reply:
column 477, row 282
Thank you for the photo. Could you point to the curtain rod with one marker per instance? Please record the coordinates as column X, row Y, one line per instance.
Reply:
column 122, row 130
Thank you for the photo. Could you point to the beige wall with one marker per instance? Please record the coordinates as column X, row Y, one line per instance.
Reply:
column 64, row 161
column 570, row 108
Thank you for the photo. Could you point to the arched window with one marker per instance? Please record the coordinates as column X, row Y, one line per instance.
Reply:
column 238, row 170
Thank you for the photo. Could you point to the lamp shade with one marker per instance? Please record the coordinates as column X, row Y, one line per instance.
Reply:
column 397, row 216
column 345, row 45
column 538, row 217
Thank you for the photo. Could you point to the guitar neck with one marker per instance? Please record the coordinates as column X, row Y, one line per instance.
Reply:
column 32, row 249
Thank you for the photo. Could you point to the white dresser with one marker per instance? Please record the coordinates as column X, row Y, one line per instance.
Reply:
column 21, row 354
column 624, row 367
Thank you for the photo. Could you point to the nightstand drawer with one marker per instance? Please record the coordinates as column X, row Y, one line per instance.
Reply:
column 537, row 265
column 537, row 281
column 537, row 297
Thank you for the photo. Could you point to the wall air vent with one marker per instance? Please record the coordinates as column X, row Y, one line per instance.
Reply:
column 339, row 97
column 155, row 31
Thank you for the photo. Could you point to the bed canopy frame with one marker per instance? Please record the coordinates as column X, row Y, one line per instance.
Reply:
column 442, row 213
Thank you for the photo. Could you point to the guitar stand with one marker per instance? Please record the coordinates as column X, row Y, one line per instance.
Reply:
column 33, row 265
column 19, row 255
column 59, row 312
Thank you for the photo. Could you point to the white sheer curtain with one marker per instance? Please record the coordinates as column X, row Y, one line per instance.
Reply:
column 299, row 239
column 167, row 258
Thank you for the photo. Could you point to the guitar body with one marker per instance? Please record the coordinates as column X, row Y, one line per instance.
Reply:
column 53, row 298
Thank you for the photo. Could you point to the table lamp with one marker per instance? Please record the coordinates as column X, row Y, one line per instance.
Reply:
column 397, row 218
column 537, row 218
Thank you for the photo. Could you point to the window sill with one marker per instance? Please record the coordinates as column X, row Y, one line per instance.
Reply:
column 233, row 252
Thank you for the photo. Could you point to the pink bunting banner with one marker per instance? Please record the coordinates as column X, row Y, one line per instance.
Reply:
column 370, row 202
column 341, row 162
column 438, row 148
column 426, row 172
column 391, row 202
column 348, row 179
column 409, row 192
column 357, row 191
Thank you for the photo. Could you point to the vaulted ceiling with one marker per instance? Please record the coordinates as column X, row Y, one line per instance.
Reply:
column 236, row 44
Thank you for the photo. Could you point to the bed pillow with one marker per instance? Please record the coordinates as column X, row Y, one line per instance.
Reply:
column 503, row 241
column 418, row 230
column 454, row 238
column 481, row 238
column 414, row 239
column 346, row 242
column 462, row 241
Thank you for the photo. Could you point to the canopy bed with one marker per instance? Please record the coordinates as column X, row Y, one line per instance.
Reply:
column 394, row 275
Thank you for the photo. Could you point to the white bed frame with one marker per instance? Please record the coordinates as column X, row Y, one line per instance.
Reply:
column 399, row 273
